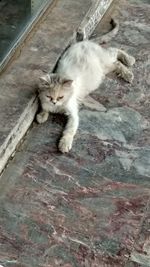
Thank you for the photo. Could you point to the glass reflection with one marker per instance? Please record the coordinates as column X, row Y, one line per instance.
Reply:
column 15, row 15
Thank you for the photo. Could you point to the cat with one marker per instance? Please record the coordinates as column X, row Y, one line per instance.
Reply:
column 80, row 71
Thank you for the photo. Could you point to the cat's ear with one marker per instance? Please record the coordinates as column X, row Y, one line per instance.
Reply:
column 67, row 82
column 44, row 82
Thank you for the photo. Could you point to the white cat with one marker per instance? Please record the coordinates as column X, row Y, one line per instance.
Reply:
column 80, row 71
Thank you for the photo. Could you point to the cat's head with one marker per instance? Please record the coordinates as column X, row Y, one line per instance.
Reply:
column 54, row 89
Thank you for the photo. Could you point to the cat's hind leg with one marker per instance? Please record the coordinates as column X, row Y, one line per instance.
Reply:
column 125, row 58
column 123, row 71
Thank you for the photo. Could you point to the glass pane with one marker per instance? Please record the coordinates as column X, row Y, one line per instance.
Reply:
column 15, row 16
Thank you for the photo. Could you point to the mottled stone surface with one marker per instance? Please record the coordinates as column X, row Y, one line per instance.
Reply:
column 89, row 208
column 141, row 251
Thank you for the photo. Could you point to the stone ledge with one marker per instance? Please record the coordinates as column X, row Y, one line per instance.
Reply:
column 18, row 131
column 94, row 15
column 18, row 103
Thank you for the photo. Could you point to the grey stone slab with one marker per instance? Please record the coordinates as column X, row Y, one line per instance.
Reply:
column 17, row 86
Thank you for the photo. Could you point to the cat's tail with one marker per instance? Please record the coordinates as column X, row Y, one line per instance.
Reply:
column 108, row 36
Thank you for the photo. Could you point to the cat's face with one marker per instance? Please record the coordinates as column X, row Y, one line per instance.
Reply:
column 54, row 90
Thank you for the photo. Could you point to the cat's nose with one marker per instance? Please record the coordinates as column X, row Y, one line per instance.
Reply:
column 54, row 102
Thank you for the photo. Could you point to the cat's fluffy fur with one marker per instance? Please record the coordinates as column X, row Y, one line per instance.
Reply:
column 79, row 72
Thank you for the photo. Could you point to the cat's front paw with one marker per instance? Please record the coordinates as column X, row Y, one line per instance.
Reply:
column 65, row 144
column 42, row 117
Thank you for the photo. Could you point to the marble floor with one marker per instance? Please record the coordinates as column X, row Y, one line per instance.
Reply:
column 90, row 207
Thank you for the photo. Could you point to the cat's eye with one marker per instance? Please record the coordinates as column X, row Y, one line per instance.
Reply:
column 50, row 98
column 59, row 98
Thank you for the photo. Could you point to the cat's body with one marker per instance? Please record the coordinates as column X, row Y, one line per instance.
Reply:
column 80, row 71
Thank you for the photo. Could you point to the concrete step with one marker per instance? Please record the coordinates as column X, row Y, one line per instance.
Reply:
column 18, row 101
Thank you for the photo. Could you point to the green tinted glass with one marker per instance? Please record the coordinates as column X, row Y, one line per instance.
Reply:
column 15, row 18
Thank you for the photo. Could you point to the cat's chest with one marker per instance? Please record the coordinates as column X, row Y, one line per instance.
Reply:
column 53, row 108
